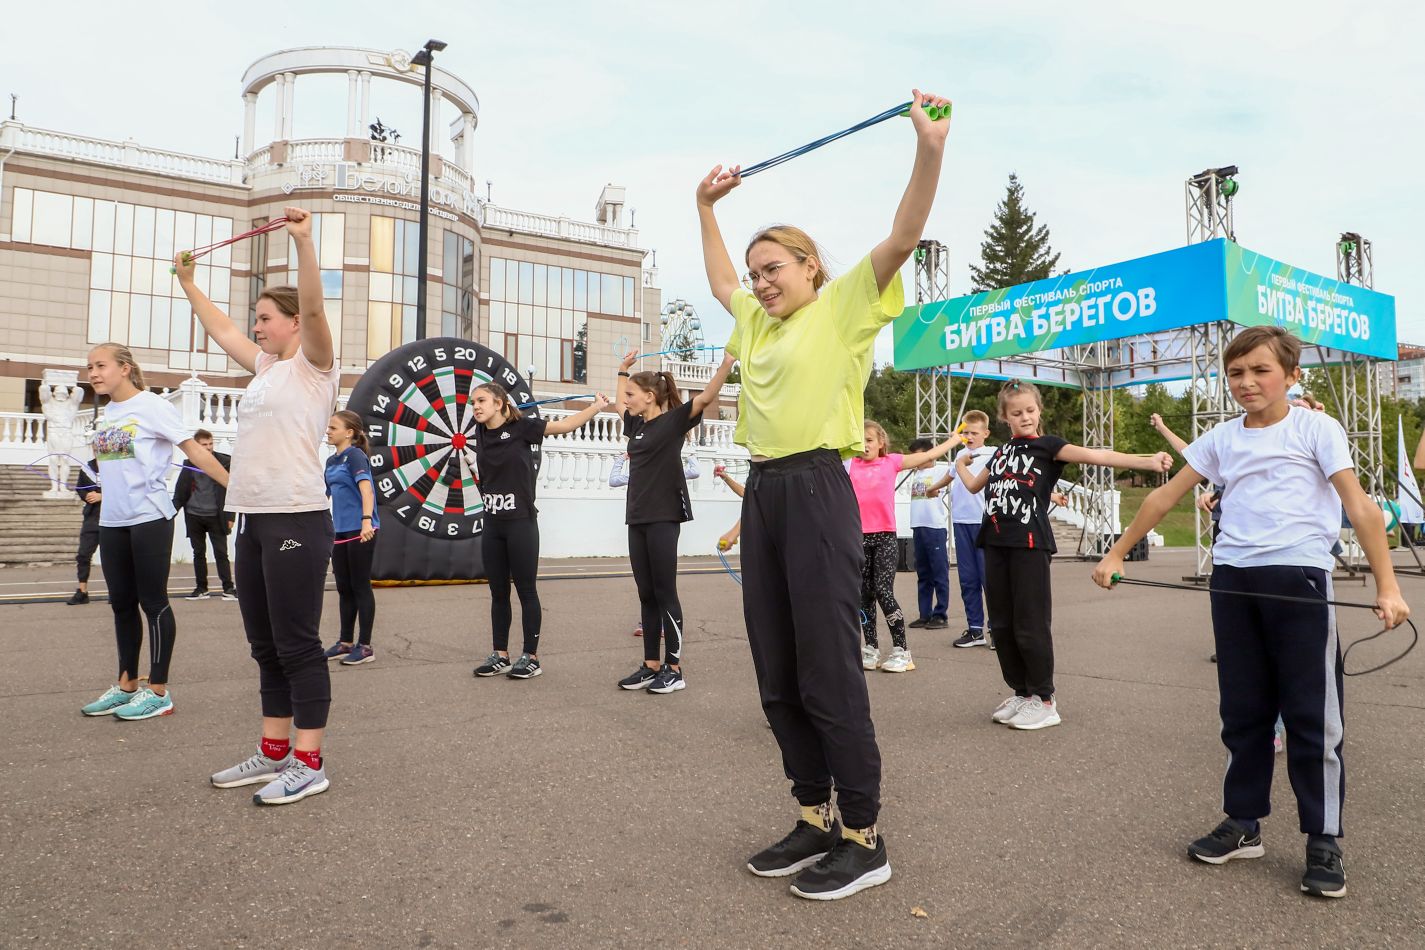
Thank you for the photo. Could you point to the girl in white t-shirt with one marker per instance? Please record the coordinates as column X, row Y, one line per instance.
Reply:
column 284, row 533
column 133, row 449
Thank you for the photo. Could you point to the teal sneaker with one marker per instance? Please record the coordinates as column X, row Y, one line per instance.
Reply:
column 105, row 705
column 146, row 704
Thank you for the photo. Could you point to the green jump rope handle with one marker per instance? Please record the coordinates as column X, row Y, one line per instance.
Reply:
column 936, row 113
column 1116, row 577
column 187, row 259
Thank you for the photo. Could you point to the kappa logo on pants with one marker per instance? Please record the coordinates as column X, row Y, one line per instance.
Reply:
column 289, row 545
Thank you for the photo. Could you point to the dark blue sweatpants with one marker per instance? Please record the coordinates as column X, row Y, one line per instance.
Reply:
column 932, row 572
column 1272, row 656
column 970, row 566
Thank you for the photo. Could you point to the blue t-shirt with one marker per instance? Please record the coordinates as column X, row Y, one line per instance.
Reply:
column 344, row 470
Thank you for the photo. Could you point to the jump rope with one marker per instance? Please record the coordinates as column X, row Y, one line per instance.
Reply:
column 934, row 112
column 200, row 252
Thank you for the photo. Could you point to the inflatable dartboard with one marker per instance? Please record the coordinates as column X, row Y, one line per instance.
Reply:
column 415, row 402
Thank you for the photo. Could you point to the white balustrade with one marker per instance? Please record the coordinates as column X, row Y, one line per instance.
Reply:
column 493, row 216
column 22, row 138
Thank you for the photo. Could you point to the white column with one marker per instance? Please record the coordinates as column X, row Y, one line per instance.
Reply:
column 249, row 123
column 365, row 104
column 351, row 94
column 436, row 98
column 467, row 159
column 279, row 106
column 290, row 88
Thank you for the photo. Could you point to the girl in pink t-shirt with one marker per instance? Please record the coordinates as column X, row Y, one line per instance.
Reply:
column 873, row 478
column 278, row 491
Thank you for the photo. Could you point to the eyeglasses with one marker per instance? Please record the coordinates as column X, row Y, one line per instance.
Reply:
column 769, row 274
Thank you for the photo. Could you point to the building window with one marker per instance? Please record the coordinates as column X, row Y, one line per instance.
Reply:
column 393, row 288
column 132, row 297
column 539, row 314
column 457, row 291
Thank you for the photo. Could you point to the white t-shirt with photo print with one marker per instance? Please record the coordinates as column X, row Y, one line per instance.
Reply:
column 133, row 446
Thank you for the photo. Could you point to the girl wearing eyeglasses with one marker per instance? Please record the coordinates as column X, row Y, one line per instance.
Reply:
column 804, row 341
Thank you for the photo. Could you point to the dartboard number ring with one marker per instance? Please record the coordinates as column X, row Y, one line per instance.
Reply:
column 415, row 402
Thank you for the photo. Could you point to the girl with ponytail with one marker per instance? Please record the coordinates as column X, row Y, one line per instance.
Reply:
column 655, row 422
column 354, row 518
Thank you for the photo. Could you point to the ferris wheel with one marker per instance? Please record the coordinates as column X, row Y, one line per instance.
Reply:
column 682, row 331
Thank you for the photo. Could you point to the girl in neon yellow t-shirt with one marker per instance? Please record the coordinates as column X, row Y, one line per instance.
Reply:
column 804, row 342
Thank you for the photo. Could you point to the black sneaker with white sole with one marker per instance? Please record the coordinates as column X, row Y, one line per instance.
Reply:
column 525, row 668
column 494, row 665
column 971, row 638
column 1229, row 840
column 846, row 869
column 1325, row 872
column 639, row 678
column 803, row 847
column 199, row 593
column 668, row 680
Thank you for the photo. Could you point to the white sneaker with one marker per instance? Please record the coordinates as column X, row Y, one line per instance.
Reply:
column 1035, row 713
column 870, row 657
column 898, row 662
column 1007, row 710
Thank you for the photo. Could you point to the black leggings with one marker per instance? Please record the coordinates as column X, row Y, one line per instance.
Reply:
column 351, row 565
column 878, row 585
column 510, row 547
column 135, row 562
column 653, row 552
column 281, row 576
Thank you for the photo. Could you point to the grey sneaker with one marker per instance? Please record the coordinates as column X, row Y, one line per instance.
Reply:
column 870, row 657
column 296, row 782
column 259, row 768
column 494, row 665
column 1008, row 709
column 1035, row 713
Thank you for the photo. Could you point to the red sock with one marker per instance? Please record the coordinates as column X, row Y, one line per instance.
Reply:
column 312, row 759
column 275, row 749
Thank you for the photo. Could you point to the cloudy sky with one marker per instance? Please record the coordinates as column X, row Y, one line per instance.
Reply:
column 1102, row 108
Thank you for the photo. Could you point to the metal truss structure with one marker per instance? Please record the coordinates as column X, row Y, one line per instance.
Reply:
column 1192, row 353
column 934, row 389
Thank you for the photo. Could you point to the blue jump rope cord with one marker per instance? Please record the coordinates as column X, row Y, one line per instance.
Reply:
column 812, row 146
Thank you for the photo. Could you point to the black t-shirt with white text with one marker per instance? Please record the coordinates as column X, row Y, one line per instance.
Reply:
column 507, row 467
column 657, row 488
column 1023, row 473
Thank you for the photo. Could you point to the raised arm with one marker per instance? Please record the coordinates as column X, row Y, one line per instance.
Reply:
column 913, row 459
column 316, row 332
column 570, row 423
column 620, row 396
column 709, row 394
column 1175, row 440
column 914, row 210
column 1159, row 462
column 219, row 327
column 722, row 273
column 1370, row 532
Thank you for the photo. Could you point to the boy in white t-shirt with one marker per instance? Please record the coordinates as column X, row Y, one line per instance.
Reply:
column 927, row 528
column 967, row 511
column 1284, row 469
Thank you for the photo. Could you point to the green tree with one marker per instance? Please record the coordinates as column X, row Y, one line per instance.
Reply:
column 1014, row 251
column 890, row 400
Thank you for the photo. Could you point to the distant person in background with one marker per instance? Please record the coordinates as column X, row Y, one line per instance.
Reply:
column 87, row 488
column 201, row 500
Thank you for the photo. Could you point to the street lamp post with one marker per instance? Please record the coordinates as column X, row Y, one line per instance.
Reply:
column 425, row 58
